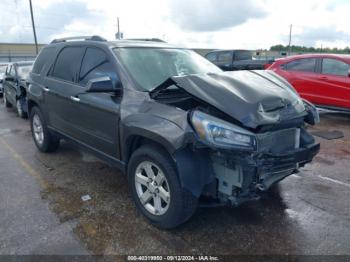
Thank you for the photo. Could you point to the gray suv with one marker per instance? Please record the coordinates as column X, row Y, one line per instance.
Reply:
column 179, row 127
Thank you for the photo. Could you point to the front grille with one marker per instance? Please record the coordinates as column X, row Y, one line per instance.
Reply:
column 280, row 141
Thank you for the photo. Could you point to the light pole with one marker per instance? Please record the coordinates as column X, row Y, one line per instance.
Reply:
column 33, row 25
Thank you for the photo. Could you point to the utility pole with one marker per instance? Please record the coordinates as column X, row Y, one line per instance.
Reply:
column 33, row 25
column 290, row 40
column 118, row 35
column 118, row 28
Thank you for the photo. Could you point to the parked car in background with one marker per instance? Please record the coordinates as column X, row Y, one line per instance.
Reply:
column 323, row 79
column 15, row 86
column 176, row 124
column 231, row 60
column 2, row 75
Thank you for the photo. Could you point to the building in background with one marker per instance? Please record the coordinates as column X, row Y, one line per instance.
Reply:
column 12, row 52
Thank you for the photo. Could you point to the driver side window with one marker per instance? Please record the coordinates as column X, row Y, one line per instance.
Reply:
column 96, row 64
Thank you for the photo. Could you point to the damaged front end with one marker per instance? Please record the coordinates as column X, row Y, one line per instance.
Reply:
column 241, row 176
column 248, row 132
column 244, row 163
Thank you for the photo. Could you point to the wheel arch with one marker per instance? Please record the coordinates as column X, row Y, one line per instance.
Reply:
column 31, row 104
column 135, row 141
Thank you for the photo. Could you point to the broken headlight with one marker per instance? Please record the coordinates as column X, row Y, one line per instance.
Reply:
column 220, row 133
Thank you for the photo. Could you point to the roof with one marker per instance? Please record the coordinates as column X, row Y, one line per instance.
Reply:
column 344, row 57
column 139, row 43
column 117, row 43
column 230, row 50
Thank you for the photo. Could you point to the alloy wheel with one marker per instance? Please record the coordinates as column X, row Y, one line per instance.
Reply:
column 152, row 188
column 38, row 129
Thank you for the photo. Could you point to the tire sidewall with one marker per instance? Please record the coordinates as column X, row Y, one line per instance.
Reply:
column 20, row 112
column 45, row 145
column 175, row 189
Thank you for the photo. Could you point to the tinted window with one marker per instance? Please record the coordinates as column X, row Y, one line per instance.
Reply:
column 211, row 57
column 243, row 55
column 42, row 58
column 95, row 64
column 304, row 65
column 68, row 63
column 335, row 67
column 225, row 57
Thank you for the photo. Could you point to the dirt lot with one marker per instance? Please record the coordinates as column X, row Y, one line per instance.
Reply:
column 42, row 211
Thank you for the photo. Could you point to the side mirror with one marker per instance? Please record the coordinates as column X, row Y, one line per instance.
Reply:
column 101, row 85
column 10, row 78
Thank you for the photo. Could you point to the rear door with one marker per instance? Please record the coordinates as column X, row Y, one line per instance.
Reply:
column 60, row 88
column 96, row 116
column 334, row 87
column 302, row 74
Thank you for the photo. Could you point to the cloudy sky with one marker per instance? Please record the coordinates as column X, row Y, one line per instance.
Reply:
column 249, row 24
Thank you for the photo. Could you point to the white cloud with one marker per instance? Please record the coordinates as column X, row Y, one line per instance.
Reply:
column 248, row 24
column 211, row 15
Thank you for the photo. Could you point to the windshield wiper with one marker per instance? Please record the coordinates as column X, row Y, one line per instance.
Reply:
column 166, row 84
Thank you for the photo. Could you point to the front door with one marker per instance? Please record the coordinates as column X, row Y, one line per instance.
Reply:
column 96, row 115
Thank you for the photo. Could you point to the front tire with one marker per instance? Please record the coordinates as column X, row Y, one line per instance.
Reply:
column 19, row 107
column 44, row 140
column 156, row 188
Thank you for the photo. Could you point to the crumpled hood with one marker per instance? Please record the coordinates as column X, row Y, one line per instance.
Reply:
column 252, row 97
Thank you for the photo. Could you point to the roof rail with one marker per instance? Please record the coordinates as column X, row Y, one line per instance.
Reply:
column 84, row 38
column 146, row 39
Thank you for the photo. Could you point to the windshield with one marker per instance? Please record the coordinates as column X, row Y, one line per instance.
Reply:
column 150, row 67
column 23, row 71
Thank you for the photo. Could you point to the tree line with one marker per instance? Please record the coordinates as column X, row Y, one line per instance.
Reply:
column 304, row 49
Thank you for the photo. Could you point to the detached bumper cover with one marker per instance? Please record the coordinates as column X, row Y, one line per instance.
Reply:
column 273, row 168
column 247, row 175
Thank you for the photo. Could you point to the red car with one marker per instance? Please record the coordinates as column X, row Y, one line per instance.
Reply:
column 323, row 79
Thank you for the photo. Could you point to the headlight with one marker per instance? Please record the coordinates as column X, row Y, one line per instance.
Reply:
column 221, row 133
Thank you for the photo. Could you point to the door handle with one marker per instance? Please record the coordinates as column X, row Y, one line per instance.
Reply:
column 75, row 99
column 46, row 89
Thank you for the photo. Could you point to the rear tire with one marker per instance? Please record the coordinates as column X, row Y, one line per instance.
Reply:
column 180, row 204
column 6, row 102
column 44, row 140
column 19, row 107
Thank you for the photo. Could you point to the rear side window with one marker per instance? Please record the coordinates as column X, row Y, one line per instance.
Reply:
column 211, row 57
column 41, row 60
column 68, row 63
column 224, row 57
column 335, row 67
column 96, row 64
column 243, row 55
column 303, row 65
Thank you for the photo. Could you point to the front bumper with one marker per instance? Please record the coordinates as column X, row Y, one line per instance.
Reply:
column 241, row 177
